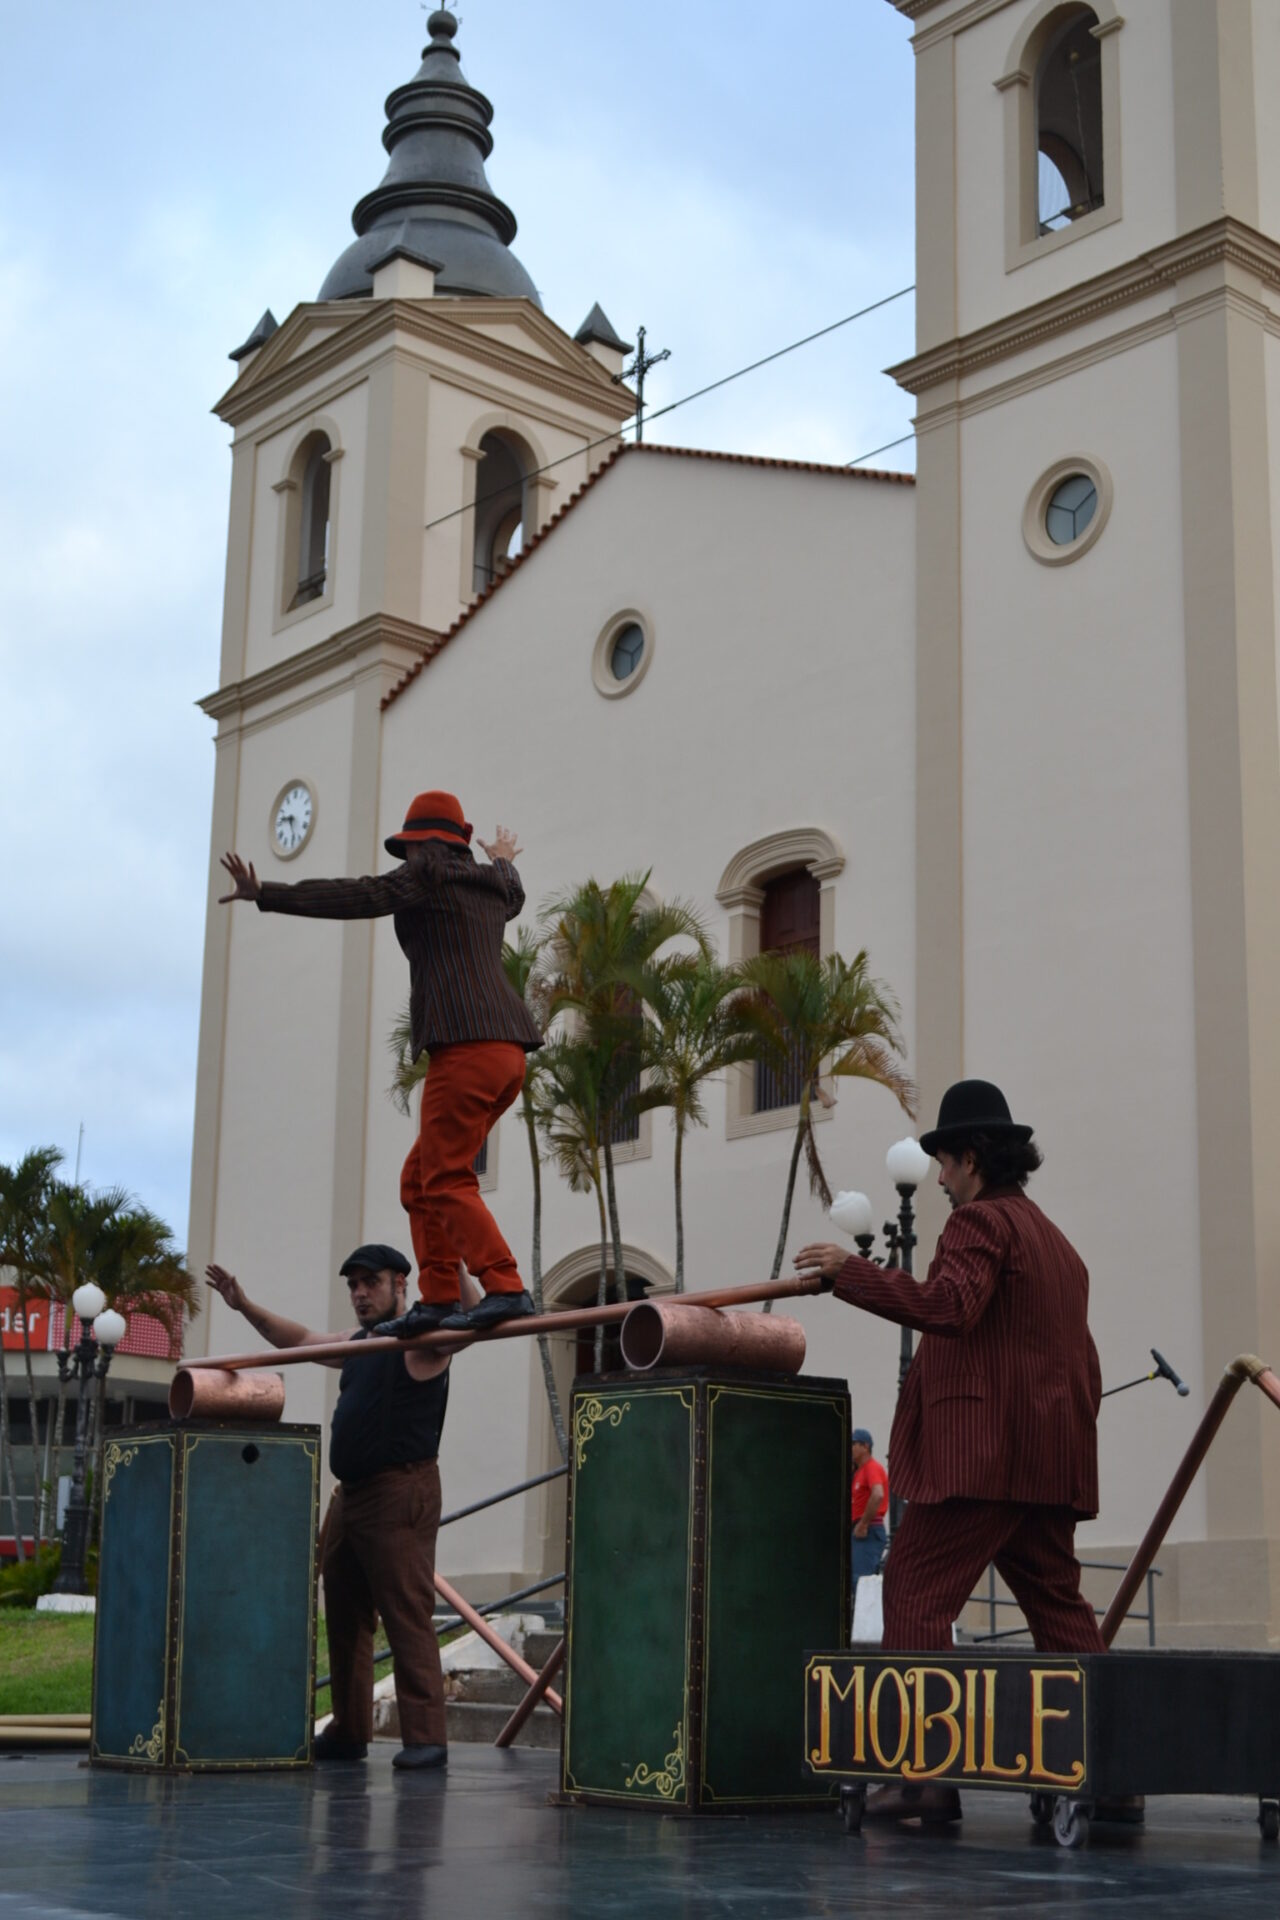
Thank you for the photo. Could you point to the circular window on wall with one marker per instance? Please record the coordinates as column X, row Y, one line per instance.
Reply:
column 1066, row 510
column 622, row 654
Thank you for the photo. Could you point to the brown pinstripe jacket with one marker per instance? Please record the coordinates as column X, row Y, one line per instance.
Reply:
column 449, row 919
column 1001, row 1401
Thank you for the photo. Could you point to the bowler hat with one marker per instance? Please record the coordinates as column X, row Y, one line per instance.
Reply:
column 375, row 1258
column 431, row 816
column 972, row 1106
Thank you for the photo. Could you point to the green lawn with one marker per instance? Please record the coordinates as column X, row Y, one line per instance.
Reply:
column 46, row 1662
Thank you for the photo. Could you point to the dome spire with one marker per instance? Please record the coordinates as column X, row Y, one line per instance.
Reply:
column 435, row 198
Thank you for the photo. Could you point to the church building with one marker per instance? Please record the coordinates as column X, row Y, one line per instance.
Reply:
column 1012, row 727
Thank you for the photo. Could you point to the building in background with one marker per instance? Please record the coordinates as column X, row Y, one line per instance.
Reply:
column 1012, row 728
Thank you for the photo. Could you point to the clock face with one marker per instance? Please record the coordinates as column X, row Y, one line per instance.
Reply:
column 292, row 818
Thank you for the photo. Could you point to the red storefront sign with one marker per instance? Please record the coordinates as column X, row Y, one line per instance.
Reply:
column 157, row 1339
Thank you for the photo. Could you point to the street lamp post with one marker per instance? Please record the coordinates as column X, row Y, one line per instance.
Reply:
column 101, row 1328
column 907, row 1164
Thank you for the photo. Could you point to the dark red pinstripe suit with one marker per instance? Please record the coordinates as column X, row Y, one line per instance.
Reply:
column 994, row 1442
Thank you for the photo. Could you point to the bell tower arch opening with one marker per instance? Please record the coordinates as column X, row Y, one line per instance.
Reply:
column 502, row 475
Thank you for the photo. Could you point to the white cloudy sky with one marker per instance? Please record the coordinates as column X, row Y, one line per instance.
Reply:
column 732, row 175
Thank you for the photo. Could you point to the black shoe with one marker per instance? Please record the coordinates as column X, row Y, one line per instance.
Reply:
column 335, row 1746
column 489, row 1312
column 423, row 1317
column 421, row 1757
column 932, row 1806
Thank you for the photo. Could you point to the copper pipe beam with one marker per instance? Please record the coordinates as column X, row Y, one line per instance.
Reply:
column 1245, row 1366
column 531, row 1698
column 219, row 1394
column 663, row 1333
column 454, row 1599
column 346, row 1349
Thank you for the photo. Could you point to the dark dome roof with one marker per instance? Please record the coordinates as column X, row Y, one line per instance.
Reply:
column 434, row 200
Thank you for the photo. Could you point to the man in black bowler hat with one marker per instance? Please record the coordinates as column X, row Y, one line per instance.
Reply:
column 378, row 1542
column 994, row 1441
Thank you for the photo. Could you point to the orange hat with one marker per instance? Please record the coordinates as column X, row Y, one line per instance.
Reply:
column 431, row 816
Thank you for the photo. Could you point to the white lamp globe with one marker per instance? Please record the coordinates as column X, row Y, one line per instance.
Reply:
column 109, row 1328
column 907, row 1162
column 88, row 1300
column 851, row 1213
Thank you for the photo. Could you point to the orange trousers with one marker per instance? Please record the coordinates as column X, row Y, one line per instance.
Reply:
column 467, row 1088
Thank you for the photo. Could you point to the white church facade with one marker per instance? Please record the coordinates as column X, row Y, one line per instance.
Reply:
column 1014, row 728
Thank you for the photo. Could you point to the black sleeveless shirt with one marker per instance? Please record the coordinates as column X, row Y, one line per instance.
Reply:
column 383, row 1418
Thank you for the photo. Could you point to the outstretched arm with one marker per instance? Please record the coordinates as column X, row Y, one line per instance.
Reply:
column 274, row 1328
column 960, row 1283
column 364, row 899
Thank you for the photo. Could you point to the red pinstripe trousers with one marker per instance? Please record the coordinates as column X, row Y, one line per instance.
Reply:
column 939, row 1553
column 466, row 1089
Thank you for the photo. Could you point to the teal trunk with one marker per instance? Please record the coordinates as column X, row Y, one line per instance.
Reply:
column 204, row 1644
column 708, row 1550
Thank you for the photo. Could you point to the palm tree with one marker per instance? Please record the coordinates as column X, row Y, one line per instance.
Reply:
column 520, row 964
column 569, row 1117
column 813, row 1017
column 697, row 1028
column 24, row 1195
column 600, row 942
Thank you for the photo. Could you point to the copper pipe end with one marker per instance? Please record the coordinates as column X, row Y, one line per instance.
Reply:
column 208, row 1393
column 670, row 1333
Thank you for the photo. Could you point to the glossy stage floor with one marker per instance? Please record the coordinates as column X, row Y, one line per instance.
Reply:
column 481, row 1843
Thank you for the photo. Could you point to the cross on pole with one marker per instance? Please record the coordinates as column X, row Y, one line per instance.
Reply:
column 637, row 371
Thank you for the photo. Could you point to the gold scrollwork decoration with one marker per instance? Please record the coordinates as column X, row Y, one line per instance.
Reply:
column 669, row 1778
column 152, row 1749
column 587, row 1418
column 116, row 1456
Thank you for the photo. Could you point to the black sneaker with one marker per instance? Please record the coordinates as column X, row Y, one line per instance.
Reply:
column 489, row 1312
column 423, row 1317
column 421, row 1757
column 331, row 1745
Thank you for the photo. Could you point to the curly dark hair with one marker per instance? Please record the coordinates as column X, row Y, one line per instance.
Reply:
column 1001, row 1161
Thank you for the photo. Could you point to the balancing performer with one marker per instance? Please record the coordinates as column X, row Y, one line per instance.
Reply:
column 450, row 913
column 994, row 1441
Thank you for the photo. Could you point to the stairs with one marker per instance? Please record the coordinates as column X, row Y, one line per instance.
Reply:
column 480, row 1700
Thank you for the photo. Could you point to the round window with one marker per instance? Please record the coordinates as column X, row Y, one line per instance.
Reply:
column 1071, row 507
column 627, row 651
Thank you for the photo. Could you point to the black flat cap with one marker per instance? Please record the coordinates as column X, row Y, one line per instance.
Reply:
column 374, row 1258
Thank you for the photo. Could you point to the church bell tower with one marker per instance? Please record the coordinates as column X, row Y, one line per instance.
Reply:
column 395, row 443
column 1098, row 907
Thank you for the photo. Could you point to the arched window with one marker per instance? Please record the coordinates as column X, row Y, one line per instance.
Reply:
column 790, row 922
column 500, row 506
column 1061, row 87
column 307, row 523
column 779, row 893
column 1070, row 173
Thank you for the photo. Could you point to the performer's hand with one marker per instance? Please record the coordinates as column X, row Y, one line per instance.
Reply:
column 247, row 884
column 229, row 1287
column 502, row 846
column 823, row 1259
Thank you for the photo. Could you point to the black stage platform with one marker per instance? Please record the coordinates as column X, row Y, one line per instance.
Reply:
column 481, row 1843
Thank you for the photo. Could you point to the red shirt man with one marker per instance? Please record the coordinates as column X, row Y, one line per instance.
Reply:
column 869, row 1502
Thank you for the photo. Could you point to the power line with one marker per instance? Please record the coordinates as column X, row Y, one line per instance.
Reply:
column 901, row 441
column 606, row 439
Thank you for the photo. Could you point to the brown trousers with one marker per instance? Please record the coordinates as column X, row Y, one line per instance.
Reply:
column 940, row 1551
column 379, row 1558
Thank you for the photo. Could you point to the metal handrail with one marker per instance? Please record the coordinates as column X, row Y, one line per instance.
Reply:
column 991, row 1600
column 478, row 1506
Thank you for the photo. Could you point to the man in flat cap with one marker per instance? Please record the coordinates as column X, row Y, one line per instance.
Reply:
column 994, row 1441
column 450, row 912
column 378, row 1542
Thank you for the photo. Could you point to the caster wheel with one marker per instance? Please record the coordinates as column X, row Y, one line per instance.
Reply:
column 1070, row 1823
column 1269, row 1819
column 852, row 1802
column 1042, row 1809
